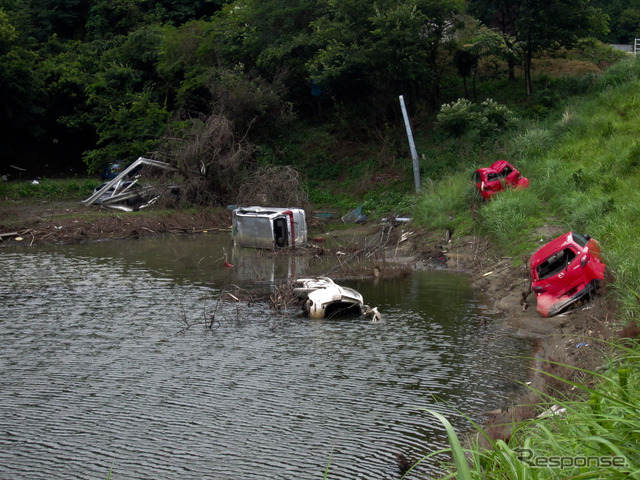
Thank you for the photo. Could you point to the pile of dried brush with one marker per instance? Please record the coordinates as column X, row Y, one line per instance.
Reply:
column 285, row 298
column 209, row 156
column 275, row 186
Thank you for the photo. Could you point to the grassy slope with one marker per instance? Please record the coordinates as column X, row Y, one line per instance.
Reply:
column 584, row 169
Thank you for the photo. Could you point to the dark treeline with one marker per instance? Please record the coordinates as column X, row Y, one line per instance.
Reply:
column 214, row 84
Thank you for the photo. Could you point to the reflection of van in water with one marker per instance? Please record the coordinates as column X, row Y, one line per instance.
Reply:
column 266, row 227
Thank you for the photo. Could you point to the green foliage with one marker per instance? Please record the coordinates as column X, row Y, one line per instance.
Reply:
column 508, row 215
column 48, row 189
column 531, row 27
column 580, row 442
column 7, row 31
column 445, row 204
column 457, row 118
column 128, row 132
column 370, row 50
column 541, row 26
column 619, row 74
column 21, row 101
column 462, row 117
column 530, row 145
column 322, row 197
column 106, row 18
column 499, row 117
column 624, row 20
column 384, row 202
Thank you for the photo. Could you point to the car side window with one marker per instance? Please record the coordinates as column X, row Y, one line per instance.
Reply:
column 581, row 240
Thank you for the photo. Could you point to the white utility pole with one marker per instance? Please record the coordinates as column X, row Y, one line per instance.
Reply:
column 412, row 146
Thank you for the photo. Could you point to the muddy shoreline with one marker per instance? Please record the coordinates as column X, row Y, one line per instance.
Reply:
column 574, row 339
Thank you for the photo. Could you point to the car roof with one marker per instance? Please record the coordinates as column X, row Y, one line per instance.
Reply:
column 552, row 247
column 500, row 164
column 495, row 167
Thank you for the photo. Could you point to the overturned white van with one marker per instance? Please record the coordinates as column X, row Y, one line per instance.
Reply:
column 267, row 227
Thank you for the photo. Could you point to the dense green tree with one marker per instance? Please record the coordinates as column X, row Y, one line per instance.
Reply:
column 194, row 63
column 542, row 25
column 476, row 42
column 287, row 45
column 177, row 12
column 21, row 88
column 67, row 68
column 374, row 52
column 624, row 20
column 64, row 18
column 120, row 17
column 129, row 130
column 627, row 26
column 270, row 39
column 7, row 32
column 21, row 106
column 16, row 17
column 501, row 16
column 122, row 85
column 109, row 18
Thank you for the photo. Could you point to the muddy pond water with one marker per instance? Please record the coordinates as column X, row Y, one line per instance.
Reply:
column 100, row 375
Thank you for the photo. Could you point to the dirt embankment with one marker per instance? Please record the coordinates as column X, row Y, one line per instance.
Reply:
column 70, row 222
column 576, row 339
column 572, row 339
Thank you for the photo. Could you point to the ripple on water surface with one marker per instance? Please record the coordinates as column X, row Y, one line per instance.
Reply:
column 100, row 373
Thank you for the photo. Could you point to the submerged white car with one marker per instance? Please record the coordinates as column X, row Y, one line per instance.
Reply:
column 326, row 299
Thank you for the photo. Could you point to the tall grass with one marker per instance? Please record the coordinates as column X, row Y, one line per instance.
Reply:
column 592, row 434
column 48, row 189
column 584, row 172
column 510, row 214
column 531, row 144
column 445, row 204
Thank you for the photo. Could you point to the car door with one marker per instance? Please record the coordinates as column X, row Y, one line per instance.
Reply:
column 570, row 279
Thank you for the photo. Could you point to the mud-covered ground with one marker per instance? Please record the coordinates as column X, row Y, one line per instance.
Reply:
column 576, row 338
column 39, row 223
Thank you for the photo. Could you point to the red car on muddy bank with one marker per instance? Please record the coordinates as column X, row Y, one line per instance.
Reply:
column 497, row 177
column 565, row 270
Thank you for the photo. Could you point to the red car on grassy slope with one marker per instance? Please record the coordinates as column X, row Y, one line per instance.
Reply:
column 497, row 177
column 564, row 271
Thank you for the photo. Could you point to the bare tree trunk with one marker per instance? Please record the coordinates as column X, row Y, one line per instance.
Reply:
column 511, row 61
column 527, row 72
column 511, row 65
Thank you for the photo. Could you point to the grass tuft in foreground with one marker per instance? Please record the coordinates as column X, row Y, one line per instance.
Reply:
column 594, row 433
